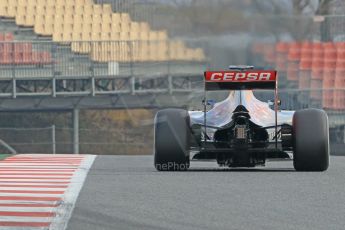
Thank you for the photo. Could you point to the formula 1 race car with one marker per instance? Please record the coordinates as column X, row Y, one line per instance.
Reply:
column 241, row 131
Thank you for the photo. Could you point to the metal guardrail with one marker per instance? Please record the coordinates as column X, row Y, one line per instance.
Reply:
column 98, row 85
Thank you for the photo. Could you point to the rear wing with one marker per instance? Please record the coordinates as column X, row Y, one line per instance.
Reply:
column 238, row 80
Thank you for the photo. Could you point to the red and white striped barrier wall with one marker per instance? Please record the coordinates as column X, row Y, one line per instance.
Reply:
column 39, row 191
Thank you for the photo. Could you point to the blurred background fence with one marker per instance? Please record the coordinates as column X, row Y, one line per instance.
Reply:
column 91, row 141
column 34, row 59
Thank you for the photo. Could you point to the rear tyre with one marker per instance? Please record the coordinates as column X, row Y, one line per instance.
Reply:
column 310, row 135
column 172, row 137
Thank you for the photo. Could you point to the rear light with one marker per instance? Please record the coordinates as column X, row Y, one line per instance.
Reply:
column 240, row 131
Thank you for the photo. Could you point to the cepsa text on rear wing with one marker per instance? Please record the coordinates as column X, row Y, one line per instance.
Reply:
column 238, row 80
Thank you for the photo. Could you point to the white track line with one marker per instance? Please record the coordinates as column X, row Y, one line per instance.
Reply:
column 64, row 211
column 29, row 195
column 8, row 187
column 39, row 166
column 25, row 219
column 29, row 202
column 34, row 185
column 33, row 177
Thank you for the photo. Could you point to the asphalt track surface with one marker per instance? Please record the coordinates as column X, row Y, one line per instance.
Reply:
column 124, row 192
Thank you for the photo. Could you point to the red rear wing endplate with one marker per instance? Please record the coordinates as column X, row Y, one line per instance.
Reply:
column 237, row 80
